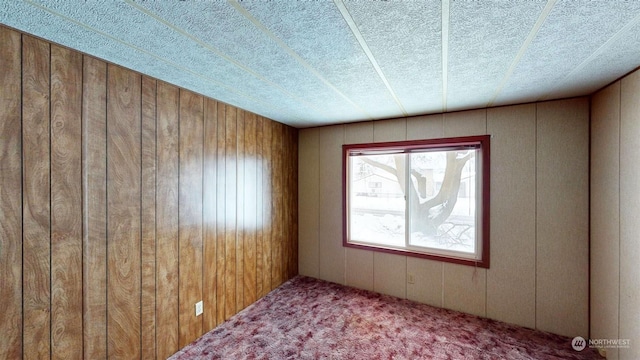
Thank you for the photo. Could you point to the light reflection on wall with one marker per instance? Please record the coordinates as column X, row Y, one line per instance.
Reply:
column 255, row 182
column 251, row 190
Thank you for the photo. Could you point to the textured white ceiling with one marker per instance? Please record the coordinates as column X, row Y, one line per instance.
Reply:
column 309, row 63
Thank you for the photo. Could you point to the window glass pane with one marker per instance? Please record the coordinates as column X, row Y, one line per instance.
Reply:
column 442, row 200
column 377, row 205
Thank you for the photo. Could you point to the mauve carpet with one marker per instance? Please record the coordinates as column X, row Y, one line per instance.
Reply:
column 307, row 318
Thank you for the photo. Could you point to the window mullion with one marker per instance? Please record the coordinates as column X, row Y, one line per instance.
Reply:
column 407, row 183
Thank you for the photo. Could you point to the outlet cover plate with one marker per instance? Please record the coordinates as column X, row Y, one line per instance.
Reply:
column 199, row 308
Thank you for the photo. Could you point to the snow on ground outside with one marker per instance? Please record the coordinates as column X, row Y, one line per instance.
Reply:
column 369, row 224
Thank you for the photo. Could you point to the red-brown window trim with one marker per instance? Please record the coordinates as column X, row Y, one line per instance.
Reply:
column 482, row 140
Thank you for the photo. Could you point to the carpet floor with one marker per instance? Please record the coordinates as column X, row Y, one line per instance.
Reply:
column 306, row 318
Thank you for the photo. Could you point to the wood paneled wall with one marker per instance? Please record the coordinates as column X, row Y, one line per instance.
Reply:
column 124, row 201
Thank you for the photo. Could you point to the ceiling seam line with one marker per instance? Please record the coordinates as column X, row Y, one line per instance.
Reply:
column 595, row 54
column 445, row 53
column 177, row 66
column 365, row 47
column 294, row 55
column 523, row 49
column 221, row 54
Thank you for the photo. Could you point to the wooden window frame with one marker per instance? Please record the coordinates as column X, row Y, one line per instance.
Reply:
column 482, row 142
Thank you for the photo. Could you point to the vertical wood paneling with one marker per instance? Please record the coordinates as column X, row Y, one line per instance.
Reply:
column 139, row 200
column 94, row 181
column 209, row 200
column 240, row 201
column 123, row 212
column 260, row 205
column 291, row 188
column 267, row 183
column 148, row 206
column 66, row 204
column 287, row 237
column 36, row 205
column 10, row 196
column 230, row 210
column 167, row 153
column 276, row 216
column 221, row 215
column 250, row 210
column 190, row 214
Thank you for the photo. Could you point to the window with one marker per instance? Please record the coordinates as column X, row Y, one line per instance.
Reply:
column 427, row 198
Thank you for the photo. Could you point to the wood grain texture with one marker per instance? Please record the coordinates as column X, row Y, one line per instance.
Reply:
column 10, row 196
column 167, row 153
column 241, row 202
column 190, row 215
column 221, row 177
column 250, row 210
column 291, row 188
column 283, row 210
column 110, row 199
column 276, row 206
column 123, row 212
column 230, row 210
column 66, row 204
column 148, row 220
column 260, row 161
column 288, row 206
column 94, row 190
column 36, row 174
column 209, row 207
column 291, row 221
column 267, row 210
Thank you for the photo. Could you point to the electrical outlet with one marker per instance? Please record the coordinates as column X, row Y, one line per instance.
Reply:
column 411, row 279
column 199, row 308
